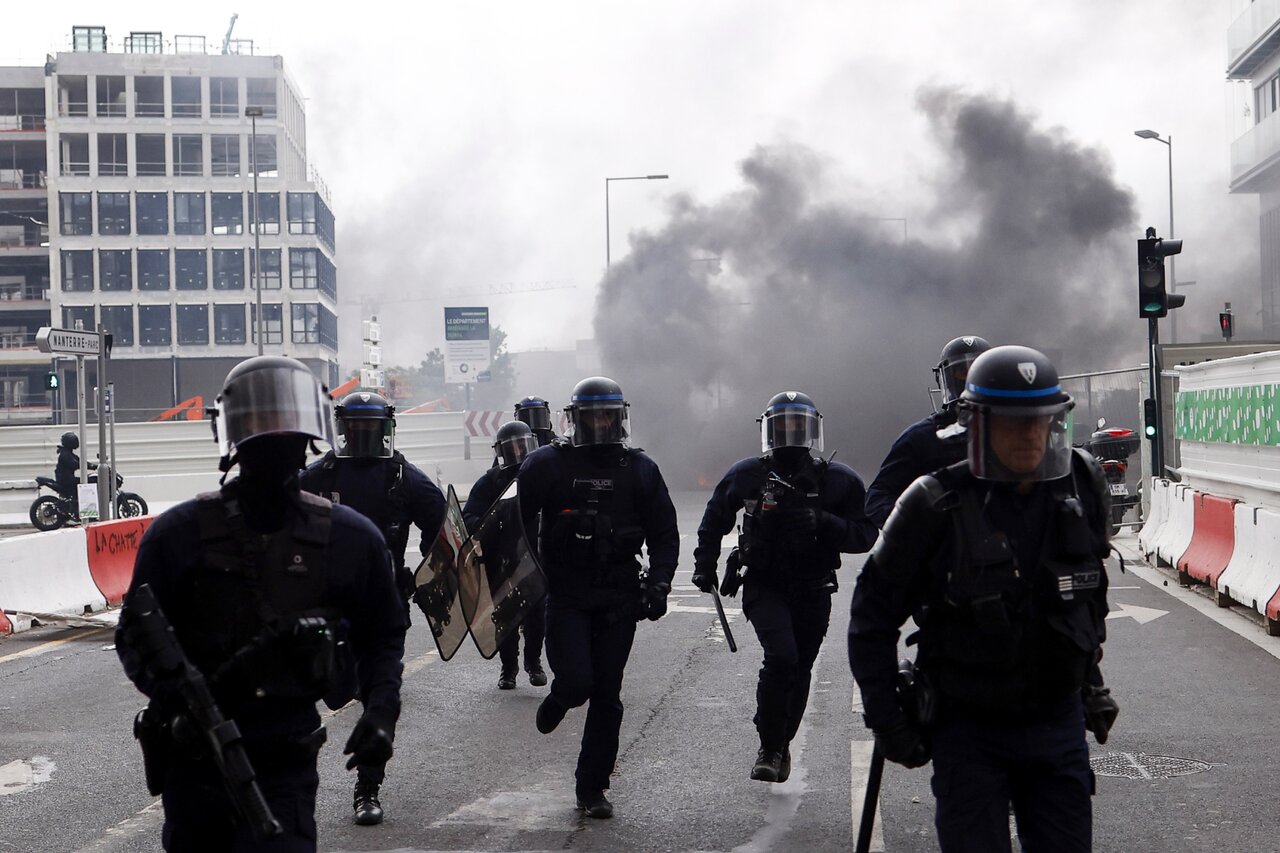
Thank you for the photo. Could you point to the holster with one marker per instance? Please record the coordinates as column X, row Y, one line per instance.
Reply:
column 732, row 574
column 156, row 739
column 917, row 696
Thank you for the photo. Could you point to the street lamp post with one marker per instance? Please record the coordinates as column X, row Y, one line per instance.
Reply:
column 253, row 113
column 607, row 256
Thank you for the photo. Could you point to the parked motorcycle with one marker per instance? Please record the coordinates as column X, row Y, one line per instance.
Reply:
column 49, row 512
column 1112, row 448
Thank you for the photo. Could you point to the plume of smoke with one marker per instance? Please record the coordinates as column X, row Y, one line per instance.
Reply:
column 1026, row 238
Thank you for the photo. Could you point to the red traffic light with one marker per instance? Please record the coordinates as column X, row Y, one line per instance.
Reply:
column 1226, row 322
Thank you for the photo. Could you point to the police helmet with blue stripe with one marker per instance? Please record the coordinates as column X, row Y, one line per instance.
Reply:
column 791, row 419
column 534, row 411
column 366, row 426
column 1017, row 415
column 598, row 413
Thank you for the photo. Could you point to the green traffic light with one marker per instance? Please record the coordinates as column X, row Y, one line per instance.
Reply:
column 1151, row 431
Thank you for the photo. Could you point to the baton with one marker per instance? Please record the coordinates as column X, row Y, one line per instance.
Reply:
column 874, row 774
column 724, row 623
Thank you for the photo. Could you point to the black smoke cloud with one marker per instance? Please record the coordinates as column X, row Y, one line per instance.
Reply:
column 1025, row 238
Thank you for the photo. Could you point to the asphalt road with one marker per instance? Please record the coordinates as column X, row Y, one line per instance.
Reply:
column 1188, row 767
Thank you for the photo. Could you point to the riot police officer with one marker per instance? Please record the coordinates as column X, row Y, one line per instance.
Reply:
column 932, row 443
column 513, row 442
column 365, row 472
column 260, row 581
column 600, row 501
column 1000, row 561
column 801, row 513
column 536, row 412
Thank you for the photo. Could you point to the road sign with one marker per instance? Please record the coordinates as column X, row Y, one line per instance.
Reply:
column 373, row 378
column 483, row 423
column 373, row 355
column 466, row 344
column 49, row 339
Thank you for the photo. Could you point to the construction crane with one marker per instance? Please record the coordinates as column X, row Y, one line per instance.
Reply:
column 226, row 40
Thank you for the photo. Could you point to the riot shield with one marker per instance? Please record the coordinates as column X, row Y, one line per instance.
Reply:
column 436, row 582
column 500, row 581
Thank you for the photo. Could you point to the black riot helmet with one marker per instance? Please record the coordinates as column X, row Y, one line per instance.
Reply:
column 790, row 420
column 598, row 413
column 1017, row 415
column 953, row 366
column 366, row 426
column 269, row 395
column 535, row 412
column 69, row 440
column 514, row 441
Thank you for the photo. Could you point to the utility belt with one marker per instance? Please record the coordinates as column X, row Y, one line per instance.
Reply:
column 586, row 540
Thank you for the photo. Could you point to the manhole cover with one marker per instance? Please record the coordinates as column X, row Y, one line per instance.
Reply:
column 1140, row 765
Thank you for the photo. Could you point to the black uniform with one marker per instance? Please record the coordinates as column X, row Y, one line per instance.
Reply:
column 1009, row 591
column 599, row 504
column 220, row 583
column 392, row 493
column 66, row 473
column 790, row 576
column 916, row 452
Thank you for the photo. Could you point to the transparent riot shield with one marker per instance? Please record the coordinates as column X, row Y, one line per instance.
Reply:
column 500, row 581
column 436, row 582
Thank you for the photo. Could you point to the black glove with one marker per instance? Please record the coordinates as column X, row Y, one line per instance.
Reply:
column 1100, row 711
column 803, row 522
column 903, row 743
column 370, row 742
column 653, row 601
column 406, row 583
column 704, row 577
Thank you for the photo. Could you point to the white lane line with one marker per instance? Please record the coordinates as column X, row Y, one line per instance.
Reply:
column 859, row 771
column 44, row 647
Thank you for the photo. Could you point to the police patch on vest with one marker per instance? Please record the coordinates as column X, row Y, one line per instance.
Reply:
column 594, row 484
column 1078, row 581
column 297, row 565
column 334, row 498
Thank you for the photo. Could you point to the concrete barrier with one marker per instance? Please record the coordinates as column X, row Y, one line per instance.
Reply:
column 48, row 573
column 1253, row 575
column 111, row 549
column 1175, row 533
column 1157, row 515
column 1212, row 540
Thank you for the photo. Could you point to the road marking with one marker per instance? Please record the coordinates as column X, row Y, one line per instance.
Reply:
column 44, row 647
column 125, row 834
column 19, row 775
column 859, row 771
column 1141, row 615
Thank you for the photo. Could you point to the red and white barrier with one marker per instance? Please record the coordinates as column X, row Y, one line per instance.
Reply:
column 480, row 423
column 1253, row 577
column 1213, row 539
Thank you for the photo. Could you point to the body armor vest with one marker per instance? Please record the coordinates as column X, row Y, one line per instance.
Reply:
column 772, row 554
column 1002, row 637
column 395, row 530
column 263, row 627
column 598, row 532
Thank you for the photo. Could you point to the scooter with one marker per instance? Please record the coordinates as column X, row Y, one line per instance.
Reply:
column 49, row 512
column 1112, row 448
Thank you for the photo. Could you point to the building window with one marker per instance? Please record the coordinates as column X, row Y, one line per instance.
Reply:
column 186, row 97
column 227, row 213
column 224, row 153
column 75, row 213
column 193, row 325
column 150, row 154
column 153, row 213
column 306, row 323
column 89, row 39
column 224, row 97
column 228, row 324
column 77, row 270
column 154, row 325
column 115, row 269
column 113, row 154
column 261, row 92
column 113, row 213
column 270, row 268
column 188, row 213
column 78, row 317
column 268, row 212
column 188, row 156
column 73, row 95
column 303, row 274
column 328, row 276
column 263, row 147
column 74, row 153
column 272, row 323
column 144, row 42
column 148, row 97
column 228, row 269
column 153, row 269
column 302, row 213
column 325, row 225
column 118, row 320
column 190, row 269
column 111, row 96
column 328, row 328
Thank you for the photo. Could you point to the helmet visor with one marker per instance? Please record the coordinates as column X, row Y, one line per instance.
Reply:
column 366, row 438
column 1013, row 444
column 537, row 417
column 791, row 426
column 602, row 422
column 512, row 451
column 951, row 374
column 269, row 402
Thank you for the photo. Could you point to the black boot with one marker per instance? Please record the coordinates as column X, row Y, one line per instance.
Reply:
column 785, row 773
column 768, row 766
column 595, row 804
column 550, row 713
column 537, row 677
column 507, row 681
column 368, row 811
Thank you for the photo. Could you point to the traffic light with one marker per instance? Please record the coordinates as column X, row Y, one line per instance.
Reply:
column 51, row 381
column 1154, row 300
column 1226, row 322
column 1149, row 427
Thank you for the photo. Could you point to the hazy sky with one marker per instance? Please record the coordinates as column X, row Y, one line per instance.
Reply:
column 466, row 144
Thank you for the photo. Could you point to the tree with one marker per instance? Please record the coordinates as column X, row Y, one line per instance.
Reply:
column 415, row 385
